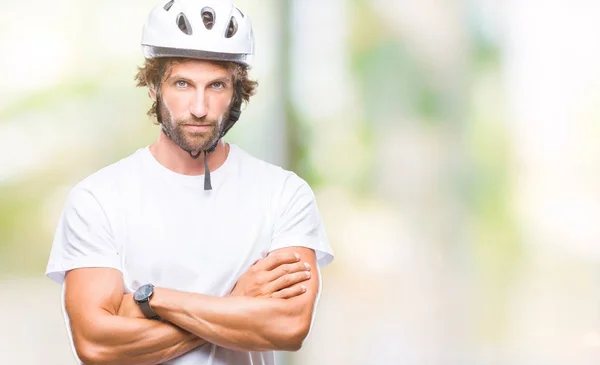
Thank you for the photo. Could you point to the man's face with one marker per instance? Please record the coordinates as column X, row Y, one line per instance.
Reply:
column 195, row 103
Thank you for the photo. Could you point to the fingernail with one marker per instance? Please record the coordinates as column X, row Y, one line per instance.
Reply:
column 307, row 274
column 297, row 256
column 303, row 288
column 307, row 265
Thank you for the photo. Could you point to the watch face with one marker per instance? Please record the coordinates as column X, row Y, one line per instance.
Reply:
column 143, row 293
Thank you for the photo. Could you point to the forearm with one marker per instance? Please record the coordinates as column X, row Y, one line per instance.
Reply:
column 133, row 341
column 237, row 323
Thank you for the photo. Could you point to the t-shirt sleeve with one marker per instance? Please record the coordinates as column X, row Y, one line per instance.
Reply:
column 83, row 237
column 298, row 223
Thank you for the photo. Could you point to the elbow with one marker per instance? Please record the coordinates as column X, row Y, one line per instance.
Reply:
column 294, row 336
column 291, row 345
column 92, row 354
column 89, row 354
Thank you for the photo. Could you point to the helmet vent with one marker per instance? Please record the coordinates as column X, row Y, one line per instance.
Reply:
column 208, row 17
column 184, row 24
column 239, row 11
column 231, row 28
column 168, row 5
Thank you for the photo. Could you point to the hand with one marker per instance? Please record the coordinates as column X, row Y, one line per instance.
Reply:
column 277, row 276
column 129, row 308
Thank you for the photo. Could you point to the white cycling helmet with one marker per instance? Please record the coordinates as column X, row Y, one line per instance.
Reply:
column 204, row 29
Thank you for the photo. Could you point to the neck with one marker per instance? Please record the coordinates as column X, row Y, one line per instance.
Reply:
column 171, row 156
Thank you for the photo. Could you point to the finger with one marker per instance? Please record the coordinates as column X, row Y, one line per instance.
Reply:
column 286, row 281
column 290, row 292
column 273, row 260
column 281, row 270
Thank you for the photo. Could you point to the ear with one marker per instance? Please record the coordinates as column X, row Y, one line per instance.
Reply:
column 152, row 94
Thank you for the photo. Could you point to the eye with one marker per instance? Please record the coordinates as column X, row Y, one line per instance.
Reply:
column 181, row 83
column 218, row 85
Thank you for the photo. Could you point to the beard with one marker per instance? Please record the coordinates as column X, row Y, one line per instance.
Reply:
column 187, row 139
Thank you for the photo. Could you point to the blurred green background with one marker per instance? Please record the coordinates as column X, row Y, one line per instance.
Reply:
column 453, row 147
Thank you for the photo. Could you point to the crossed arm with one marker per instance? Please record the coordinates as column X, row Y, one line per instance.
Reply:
column 270, row 308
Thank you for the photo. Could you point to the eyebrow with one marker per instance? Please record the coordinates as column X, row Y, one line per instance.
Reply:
column 223, row 79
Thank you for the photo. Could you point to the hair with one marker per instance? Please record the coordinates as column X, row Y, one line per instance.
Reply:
column 156, row 70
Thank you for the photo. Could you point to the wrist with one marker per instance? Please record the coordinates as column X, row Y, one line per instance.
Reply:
column 158, row 300
column 142, row 297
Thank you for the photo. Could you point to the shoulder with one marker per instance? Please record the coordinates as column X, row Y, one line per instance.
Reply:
column 105, row 183
column 276, row 178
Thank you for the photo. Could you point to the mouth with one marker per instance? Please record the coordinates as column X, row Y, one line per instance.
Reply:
column 198, row 127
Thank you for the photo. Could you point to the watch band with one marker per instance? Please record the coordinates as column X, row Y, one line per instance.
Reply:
column 147, row 310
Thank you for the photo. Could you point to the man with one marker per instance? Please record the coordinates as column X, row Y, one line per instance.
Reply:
column 169, row 258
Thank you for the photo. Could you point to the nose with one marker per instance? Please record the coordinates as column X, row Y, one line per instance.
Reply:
column 198, row 105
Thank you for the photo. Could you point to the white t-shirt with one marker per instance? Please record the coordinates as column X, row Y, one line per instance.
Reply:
column 157, row 226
